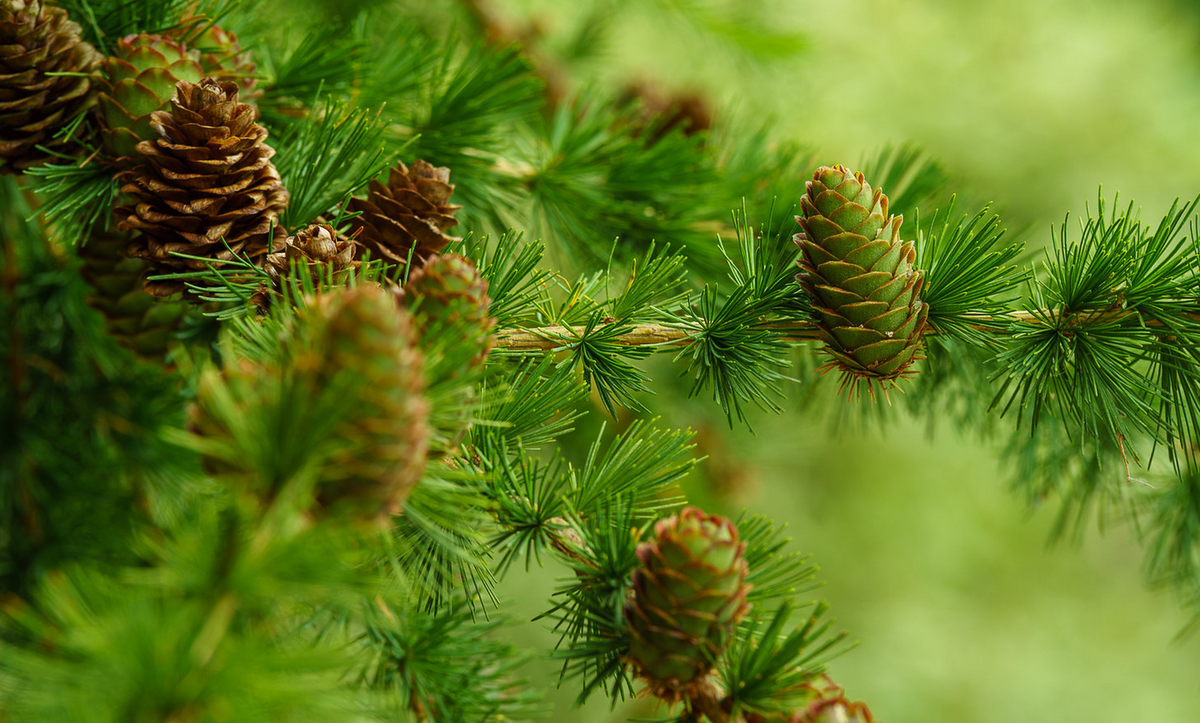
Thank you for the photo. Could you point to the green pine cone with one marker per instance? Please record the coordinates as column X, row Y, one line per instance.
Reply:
column 451, row 297
column 860, row 277
column 362, row 330
column 139, row 80
column 347, row 397
column 830, row 705
column 140, row 322
column 688, row 596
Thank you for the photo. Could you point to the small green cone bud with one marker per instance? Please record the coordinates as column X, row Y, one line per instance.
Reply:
column 451, row 297
column 688, row 596
column 860, row 278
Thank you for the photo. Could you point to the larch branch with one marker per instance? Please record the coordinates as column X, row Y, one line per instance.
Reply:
column 548, row 338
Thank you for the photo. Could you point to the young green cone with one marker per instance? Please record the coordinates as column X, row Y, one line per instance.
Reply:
column 451, row 297
column 860, row 277
column 830, row 705
column 345, row 395
column 138, row 80
column 688, row 596
column 363, row 330
column 826, row 703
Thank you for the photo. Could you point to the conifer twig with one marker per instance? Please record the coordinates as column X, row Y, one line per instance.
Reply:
column 546, row 338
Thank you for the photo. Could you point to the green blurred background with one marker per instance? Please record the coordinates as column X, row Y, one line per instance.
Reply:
column 963, row 611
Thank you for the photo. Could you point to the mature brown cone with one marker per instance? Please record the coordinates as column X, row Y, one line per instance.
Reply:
column 208, row 187
column 318, row 252
column 411, row 214
column 37, row 44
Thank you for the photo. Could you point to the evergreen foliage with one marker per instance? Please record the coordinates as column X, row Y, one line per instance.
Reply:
column 301, row 510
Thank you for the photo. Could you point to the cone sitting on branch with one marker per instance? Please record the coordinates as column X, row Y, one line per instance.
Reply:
column 407, row 217
column 449, row 294
column 316, row 255
column 688, row 596
column 46, row 81
column 207, row 187
column 363, row 329
column 352, row 365
column 860, row 277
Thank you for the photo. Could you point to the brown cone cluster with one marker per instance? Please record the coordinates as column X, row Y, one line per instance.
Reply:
column 37, row 44
column 410, row 215
column 207, row 187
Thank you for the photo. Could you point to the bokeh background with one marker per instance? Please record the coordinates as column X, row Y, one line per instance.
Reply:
column 962, row 609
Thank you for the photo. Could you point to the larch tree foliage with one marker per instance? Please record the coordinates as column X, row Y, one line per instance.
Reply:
column 296, row 318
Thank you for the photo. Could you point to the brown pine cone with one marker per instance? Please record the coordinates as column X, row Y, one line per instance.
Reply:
column 36, row 41
column 317, row 250
column 411, row 213
column 207, row 187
